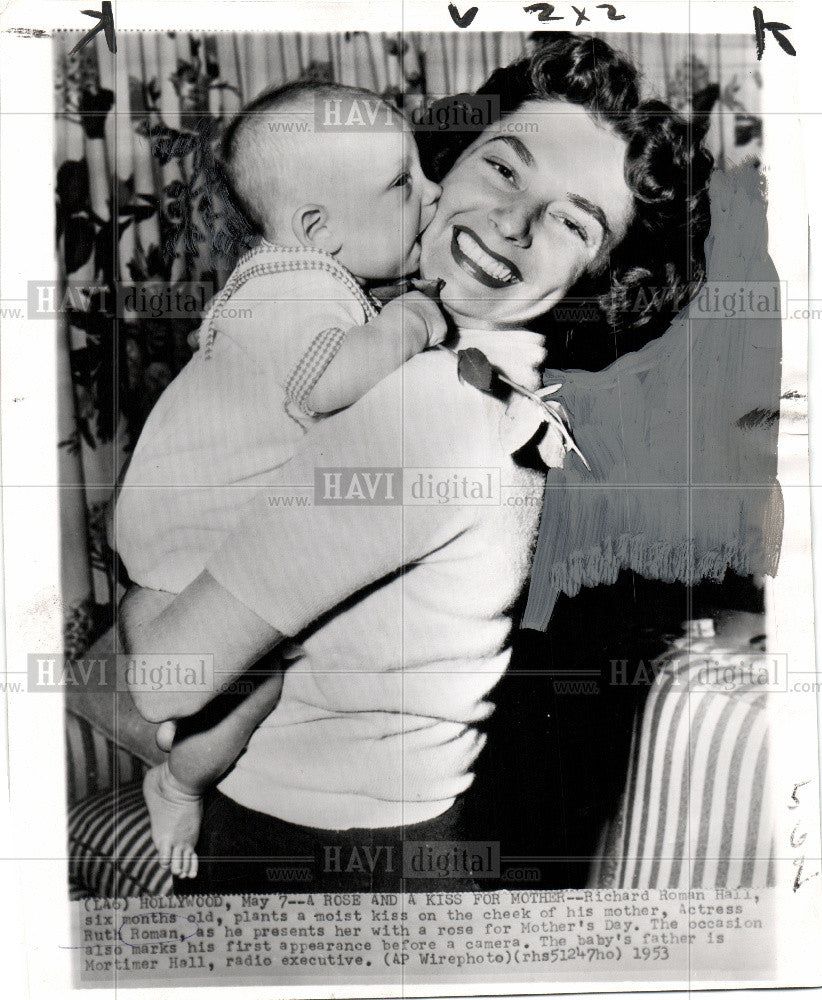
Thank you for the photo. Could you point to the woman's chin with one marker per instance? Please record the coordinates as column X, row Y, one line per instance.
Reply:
column 471, row 305
column 466, row 300
column 466, row 312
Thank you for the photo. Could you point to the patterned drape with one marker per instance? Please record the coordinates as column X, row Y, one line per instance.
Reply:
column 135, row 136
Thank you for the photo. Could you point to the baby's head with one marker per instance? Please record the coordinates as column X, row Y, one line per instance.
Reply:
column 357, row 192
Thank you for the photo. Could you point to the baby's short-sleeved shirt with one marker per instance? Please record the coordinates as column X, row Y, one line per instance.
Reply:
column 237, row 409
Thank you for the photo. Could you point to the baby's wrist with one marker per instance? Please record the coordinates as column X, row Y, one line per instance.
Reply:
column 416, row 335
column 436, row 335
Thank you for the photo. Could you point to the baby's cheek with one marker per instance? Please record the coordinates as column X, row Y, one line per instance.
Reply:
column 411, row 215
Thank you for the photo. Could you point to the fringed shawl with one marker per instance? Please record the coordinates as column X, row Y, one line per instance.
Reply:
column 681, row 435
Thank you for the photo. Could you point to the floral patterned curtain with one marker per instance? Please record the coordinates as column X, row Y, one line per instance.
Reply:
column 137, row 201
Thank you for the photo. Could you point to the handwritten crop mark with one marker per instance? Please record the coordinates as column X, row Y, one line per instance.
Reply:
column 776, row 28
column 105, row 23
column 462, row 20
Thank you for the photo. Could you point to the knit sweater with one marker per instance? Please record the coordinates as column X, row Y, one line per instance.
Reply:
column 401, row 610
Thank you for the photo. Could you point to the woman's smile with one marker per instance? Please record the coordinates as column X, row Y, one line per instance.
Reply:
column 474, row 257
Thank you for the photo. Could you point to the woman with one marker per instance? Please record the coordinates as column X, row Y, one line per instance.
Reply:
column 403, row 610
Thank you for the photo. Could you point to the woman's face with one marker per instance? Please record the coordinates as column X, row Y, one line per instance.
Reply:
column 534, row 203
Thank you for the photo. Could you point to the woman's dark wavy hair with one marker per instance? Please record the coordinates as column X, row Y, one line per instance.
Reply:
column 660, row 264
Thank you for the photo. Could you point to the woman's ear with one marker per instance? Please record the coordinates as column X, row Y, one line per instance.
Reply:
column 312, row 227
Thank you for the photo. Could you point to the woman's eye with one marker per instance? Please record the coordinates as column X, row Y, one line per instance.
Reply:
column 575, row 228
column 505, row 172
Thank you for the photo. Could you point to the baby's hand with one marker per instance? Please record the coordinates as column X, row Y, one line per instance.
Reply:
column 164, row 737
column 419, row 317
column 193, row 339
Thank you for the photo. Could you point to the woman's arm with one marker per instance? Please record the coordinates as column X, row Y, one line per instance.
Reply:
column 205, row 620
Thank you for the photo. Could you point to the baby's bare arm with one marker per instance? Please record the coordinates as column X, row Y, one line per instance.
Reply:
column 213, row 726
column 139, row 608
column 406, row 326
column 204, row 619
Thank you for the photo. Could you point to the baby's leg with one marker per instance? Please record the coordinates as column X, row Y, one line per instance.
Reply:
column 205, row 747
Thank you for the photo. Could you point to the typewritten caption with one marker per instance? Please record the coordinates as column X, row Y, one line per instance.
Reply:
column 529, row 934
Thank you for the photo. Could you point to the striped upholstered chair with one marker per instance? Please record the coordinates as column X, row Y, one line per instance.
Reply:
column 695, row 810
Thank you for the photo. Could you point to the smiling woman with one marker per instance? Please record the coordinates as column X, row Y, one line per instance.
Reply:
column 605, row 196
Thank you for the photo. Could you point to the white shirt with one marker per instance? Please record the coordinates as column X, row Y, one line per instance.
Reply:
column 402, row 611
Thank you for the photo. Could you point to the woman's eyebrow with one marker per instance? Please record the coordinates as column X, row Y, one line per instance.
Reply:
column 588, row 206
column 519, row 147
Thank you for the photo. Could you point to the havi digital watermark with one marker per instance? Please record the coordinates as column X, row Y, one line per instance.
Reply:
column 412, row 487
column 51, row 672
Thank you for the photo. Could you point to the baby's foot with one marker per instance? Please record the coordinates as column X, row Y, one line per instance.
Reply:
column 175, row 814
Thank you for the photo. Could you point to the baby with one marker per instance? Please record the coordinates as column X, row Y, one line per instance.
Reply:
column 292, row 337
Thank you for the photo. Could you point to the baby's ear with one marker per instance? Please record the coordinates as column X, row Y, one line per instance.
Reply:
column 313, row 228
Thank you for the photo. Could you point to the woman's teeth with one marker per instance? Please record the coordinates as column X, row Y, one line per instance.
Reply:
column 474, row 251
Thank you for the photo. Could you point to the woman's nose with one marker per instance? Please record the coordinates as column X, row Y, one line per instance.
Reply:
column 513, row 222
